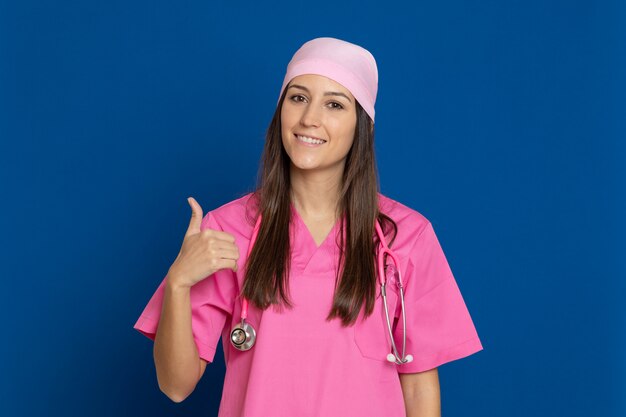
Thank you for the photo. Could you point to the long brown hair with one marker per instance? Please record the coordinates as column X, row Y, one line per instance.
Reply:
column 266, row 282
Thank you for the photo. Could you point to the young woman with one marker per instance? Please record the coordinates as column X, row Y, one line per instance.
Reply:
column 290, row 277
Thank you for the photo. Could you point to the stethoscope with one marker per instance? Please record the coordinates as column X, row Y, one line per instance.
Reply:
column 243, row 335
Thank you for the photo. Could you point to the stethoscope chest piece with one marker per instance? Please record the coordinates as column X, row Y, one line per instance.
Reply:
column 243, row 336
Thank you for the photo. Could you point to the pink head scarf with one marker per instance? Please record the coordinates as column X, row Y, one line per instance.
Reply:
column 348, row 64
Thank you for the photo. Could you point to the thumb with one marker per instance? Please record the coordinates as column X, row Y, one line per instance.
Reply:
column 196, row 217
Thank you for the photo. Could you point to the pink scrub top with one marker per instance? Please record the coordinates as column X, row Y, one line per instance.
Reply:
column 302, row 365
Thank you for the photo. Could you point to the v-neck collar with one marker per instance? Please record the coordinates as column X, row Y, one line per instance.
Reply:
column 306, row 255
column 298, row 219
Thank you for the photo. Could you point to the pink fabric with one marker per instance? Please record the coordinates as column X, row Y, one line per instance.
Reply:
column 350, row 65
column 302, row 365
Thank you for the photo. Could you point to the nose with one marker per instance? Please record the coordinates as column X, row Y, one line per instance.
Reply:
column 311, row 116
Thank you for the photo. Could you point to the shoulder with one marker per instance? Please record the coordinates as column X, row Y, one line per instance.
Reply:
column 413, row 228
column 235, row 216
column 411, row 223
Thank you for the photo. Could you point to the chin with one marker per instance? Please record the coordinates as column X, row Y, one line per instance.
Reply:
column 305, row 167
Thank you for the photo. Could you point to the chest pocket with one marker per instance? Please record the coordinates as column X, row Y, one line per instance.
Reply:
column 370, row 334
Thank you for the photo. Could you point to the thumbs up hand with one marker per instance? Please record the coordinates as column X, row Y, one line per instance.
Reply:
column 203, row 252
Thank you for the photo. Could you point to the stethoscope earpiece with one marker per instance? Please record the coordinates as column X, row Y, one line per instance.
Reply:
column 393, row 359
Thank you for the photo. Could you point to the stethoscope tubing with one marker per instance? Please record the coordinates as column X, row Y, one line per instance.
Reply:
column 382, row 276
column 245, row 334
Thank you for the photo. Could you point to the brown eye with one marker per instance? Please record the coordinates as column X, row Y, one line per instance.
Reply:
column 339, row 106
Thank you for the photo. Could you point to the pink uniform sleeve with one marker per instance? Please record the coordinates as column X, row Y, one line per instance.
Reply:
column 212, row 301
column 439, row 326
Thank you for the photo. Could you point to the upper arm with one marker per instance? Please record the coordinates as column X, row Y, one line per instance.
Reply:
column 418, row 383
column 421, row 393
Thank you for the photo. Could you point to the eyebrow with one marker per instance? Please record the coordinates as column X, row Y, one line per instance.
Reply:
column 328, row 93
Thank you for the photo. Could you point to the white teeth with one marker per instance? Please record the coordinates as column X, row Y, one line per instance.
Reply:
column 310, row 140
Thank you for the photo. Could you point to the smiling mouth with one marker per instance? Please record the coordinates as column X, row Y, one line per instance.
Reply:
column 310, row 140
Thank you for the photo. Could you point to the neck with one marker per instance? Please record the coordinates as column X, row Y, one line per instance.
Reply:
column 315, row 194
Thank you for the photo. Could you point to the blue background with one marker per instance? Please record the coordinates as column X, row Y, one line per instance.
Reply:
column 503, row 122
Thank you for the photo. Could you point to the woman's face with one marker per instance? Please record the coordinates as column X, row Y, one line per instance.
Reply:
column 316, row 107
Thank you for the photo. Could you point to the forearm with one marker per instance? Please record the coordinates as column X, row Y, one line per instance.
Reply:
column 175, row 353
